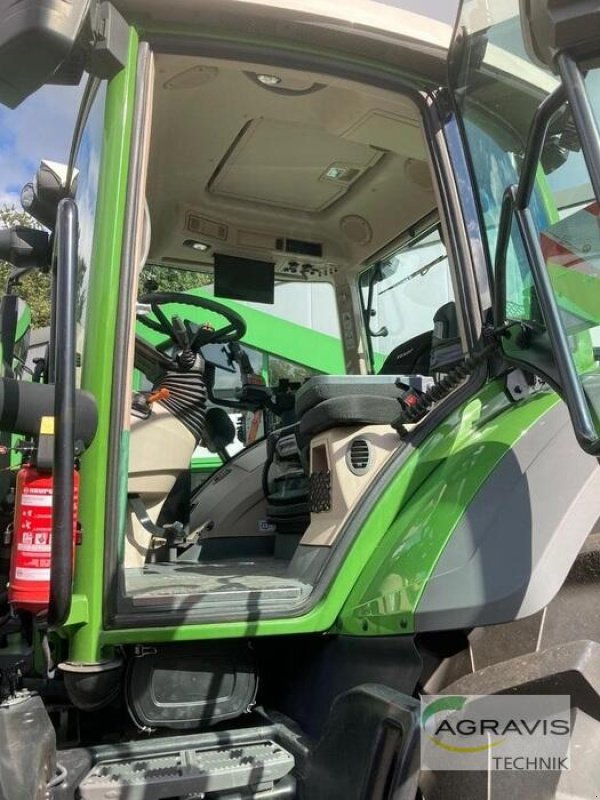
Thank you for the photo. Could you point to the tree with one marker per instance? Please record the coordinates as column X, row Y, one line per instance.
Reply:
column 34, row 287
column 158, row 278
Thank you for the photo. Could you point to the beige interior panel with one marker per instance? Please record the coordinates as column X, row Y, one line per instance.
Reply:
column 388, row 131
column 137, row 538
column 250, row 165
column 329, row 451
column 160, row 447
column 285, row 164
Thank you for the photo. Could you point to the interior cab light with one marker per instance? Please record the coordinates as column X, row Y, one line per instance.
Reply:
column 195, row 245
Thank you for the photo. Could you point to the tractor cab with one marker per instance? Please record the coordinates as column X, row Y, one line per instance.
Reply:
column 279, row 205
column 293, row 452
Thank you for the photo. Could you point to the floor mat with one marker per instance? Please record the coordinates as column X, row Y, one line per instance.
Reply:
column 254, row 582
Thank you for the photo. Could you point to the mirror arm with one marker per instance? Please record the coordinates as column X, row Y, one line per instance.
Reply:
column 583, row 115
column 518, row 197
column 535, row 144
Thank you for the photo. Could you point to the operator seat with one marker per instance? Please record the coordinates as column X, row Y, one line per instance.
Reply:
column 330, row 401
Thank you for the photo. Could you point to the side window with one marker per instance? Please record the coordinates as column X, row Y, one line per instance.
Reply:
column 86, row 177
column 403, row 293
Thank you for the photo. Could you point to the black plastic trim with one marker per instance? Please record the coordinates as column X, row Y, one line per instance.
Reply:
column 61, row 572
column 459, row 202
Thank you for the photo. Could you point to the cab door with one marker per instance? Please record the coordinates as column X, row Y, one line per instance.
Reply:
column 526, row 82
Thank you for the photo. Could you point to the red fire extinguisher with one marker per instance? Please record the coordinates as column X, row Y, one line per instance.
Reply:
column 31, row 550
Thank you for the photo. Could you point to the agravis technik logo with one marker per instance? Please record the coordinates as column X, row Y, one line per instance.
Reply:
column 507, row 732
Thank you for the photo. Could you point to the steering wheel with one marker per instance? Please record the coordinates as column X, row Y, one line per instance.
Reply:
column 181, row 333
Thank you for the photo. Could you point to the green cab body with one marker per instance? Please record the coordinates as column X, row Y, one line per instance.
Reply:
column 324, row 354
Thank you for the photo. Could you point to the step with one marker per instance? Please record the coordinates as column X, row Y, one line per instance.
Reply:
column 256, row 765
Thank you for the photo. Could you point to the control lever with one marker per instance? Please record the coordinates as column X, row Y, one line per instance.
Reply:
column 173, row 534
column 142, row 402
column 180, row 333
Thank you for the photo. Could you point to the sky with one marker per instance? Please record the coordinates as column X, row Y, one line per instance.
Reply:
column 41, row 127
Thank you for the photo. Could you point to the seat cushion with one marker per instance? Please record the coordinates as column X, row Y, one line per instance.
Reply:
column 348, row 411
column 333, row 387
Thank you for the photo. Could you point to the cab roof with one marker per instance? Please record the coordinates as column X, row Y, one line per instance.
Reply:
column 367, row 29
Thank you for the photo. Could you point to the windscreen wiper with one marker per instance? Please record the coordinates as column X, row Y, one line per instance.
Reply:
column 418, row 273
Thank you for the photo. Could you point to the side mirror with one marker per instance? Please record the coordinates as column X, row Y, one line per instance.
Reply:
column 25, row 248
column 35, row 40
column 46, row 41
column 15, row 328
column 551, row 27
column 41, row 197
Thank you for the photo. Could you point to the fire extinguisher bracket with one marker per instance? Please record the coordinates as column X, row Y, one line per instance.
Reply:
column 45, row 449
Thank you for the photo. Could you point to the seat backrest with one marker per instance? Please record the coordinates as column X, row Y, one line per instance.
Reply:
column 410, row 358
column 446, row 346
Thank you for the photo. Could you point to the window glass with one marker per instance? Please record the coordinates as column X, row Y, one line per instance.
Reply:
column 301, row 326
column 86, row 177
column 407, row 289
column 570, row 242
column 286, row 342
column 500, row 91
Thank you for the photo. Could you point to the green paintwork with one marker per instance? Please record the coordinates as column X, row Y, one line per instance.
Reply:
column 97, row 357
column 23, row 322
column 576, row 292
column 488, row 419
column 460, row 455
column 266, row 332
column 546, row 195
column 206, row 464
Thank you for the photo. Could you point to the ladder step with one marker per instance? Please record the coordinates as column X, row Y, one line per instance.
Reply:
column 164, row 775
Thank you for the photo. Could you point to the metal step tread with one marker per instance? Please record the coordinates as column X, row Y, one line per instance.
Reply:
column 163, row 775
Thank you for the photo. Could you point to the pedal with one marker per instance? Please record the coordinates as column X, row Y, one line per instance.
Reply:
column 157, row 777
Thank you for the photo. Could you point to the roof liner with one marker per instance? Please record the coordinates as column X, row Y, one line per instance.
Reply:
column 333, row 171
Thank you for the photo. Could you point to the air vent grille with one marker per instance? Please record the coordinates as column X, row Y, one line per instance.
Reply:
column 359, row 456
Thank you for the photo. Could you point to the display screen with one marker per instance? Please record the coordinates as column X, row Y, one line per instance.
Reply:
column 244, row 279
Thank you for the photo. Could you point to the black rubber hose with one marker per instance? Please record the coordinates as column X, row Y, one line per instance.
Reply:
column 23, row 404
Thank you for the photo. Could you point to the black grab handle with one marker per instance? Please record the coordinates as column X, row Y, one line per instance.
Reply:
column 64, row 356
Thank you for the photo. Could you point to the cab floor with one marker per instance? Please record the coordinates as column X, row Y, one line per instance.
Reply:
column 253, row 581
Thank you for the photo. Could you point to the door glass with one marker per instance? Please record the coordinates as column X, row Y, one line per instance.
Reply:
column 407, row 289
column 569, row 238
column 570, row 244
column 86, row 184
column 499, row 90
